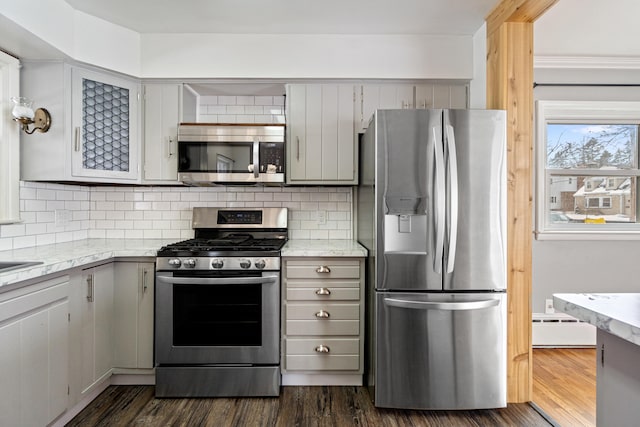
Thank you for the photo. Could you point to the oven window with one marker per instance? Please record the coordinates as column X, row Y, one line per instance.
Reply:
column 217, row 315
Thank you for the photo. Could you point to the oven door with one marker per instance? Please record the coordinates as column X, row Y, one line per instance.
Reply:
column 217, row 318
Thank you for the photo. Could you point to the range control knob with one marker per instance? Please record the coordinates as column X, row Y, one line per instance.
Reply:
column 217, row 263
column 260, row 264
column 174, row 262
column 245, row 263
column 189, row 263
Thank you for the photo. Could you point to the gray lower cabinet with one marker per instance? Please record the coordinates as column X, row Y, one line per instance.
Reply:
column 323, row 321
column 34, row 355
column 133, row 315
column 91, row 323
column 62, row 338
column 617, row 381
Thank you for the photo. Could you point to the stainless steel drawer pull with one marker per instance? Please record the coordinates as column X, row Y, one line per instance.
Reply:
column 323, row 291
column 322, row 349
column 322, row 314
column 323, row 269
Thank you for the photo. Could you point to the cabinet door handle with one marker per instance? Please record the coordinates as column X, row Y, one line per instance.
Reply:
column 171, row 145
column 322, row 314
column 323, row 269
column 323, row 291
column 90, row 288
column 298, row 148
column 76, row 142
column 322, row 349
column 144, row 280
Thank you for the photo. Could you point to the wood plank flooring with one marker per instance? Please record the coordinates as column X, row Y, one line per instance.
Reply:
column 564, row 384
column 296, row 406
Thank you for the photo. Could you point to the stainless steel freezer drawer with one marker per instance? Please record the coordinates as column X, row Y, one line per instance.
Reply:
column 440, row 351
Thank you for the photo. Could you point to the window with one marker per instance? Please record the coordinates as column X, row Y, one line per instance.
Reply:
column 587, row 168
column 9, row 138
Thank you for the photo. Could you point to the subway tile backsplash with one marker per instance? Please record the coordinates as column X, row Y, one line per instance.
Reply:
column 241, row 109
column 54, row 213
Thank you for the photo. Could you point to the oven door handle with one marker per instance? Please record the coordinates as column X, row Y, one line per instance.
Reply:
column 218, row 280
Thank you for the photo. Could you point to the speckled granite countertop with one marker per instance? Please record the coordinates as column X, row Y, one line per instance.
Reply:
column 63, row 256
column 615, row 313
column 323, row 248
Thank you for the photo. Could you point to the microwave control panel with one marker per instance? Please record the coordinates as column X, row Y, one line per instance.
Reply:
column 272, row 157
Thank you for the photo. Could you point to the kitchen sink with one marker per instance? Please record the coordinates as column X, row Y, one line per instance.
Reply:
column 14, row 265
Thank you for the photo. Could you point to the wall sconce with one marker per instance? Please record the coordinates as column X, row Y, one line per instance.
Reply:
column 24, row 114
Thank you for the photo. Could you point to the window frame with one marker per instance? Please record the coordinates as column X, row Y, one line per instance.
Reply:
column 9, row 141
column 577, row 112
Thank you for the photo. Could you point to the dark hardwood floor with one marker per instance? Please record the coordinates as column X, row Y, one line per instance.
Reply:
column 296, row 406
column 564, row 384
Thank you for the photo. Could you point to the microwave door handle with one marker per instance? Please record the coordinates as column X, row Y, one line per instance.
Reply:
column 256, row 158
column 217, row 280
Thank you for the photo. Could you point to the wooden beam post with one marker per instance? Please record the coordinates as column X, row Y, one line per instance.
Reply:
column 510, row 88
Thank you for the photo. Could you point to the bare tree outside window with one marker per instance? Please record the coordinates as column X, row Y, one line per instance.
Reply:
column 592, row 169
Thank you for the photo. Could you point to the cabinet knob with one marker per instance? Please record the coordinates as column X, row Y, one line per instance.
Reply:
column 322, row 314
column 323, row 291
column 323, row 269
column 322, row 349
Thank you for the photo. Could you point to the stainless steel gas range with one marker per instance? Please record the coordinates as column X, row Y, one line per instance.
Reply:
column 217, row 314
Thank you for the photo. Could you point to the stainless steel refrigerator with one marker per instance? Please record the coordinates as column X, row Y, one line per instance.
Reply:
column 431, row 209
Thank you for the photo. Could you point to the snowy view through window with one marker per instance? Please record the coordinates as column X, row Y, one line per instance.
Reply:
column 591, row 174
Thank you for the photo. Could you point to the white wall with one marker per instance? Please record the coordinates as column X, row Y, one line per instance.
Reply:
column 303, row 56
column 72, row 33
column 97, row 42
column 589, row 28
column 163, row 212
column 478, row 86
column 579, row 265
column 586, row 41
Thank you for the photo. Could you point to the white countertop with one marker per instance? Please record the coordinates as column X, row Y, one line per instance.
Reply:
column 615, row 313
column 63, row 256
column 323, row 248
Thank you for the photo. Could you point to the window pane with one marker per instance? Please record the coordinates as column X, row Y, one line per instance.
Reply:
column 591, row 145
column 592, row 199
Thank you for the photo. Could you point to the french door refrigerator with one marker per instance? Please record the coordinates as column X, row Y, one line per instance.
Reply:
column 431, row 212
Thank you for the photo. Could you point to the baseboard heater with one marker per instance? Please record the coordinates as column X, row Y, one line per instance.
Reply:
column 561, row 330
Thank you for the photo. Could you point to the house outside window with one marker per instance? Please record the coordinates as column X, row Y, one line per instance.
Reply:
column 587, row 169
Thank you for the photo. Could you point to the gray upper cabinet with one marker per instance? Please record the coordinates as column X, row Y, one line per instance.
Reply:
column 442, row 96
column 161, row 105
column 406, row 96
column 383, row 96
column 321, row 137
column 94, row 135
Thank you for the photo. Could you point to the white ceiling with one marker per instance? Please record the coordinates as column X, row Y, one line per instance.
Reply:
column 447, row 17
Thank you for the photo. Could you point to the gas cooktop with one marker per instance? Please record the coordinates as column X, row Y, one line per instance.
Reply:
column 218, row 247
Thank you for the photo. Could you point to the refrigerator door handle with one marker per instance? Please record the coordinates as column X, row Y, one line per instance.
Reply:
column 439, row 208
column 453, row 198
column 426, row 305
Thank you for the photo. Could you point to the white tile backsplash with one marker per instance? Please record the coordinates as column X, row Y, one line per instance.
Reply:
column 241, row 109
column 55, row 213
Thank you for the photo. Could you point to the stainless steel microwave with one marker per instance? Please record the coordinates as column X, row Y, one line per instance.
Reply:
column 230, row 153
